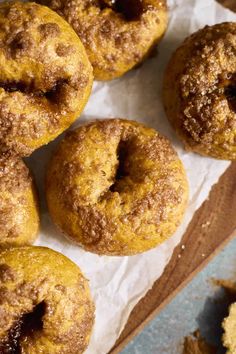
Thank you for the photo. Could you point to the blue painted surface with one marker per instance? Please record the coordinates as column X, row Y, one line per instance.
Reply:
column 200, row 305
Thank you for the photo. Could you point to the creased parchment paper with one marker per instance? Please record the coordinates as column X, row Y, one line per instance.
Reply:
column 118, row 283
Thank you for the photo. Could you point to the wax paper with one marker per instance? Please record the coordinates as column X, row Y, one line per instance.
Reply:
column 118, row 283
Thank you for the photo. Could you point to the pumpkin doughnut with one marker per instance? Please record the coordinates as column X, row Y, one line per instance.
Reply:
column 116, row 187
column 229, row 325
column 19, row 219
column 45, row 76
column 200, row 91
column 45, row 303
column 117, row 34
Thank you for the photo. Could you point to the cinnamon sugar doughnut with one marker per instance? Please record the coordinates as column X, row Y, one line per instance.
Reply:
column 19, row 218
column 117, row 34
column 200, row 91
column 45, row 76
column 45, row 303
column 116, row 187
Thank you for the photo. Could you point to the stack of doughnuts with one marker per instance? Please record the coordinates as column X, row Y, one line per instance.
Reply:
column 114, row 187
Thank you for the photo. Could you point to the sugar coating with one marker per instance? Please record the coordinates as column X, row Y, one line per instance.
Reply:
column 19, row 219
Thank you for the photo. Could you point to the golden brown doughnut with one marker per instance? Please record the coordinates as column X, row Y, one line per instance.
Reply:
column 200, row 91
column 19, row 218
column 229, row 325
column 45, row 303
column 117, row 34
column 116, row 187
column 45, row 76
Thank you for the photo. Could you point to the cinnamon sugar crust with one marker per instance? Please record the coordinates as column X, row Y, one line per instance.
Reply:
column 19, row 219
column 10, row 168
column 200, row 91
column 117, row 34
column 116, row 187
column 45, row 77
column 36, row 316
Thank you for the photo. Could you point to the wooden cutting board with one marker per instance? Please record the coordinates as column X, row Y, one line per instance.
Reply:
column 212, row 226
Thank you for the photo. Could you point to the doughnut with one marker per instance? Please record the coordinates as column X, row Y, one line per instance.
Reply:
column 229, row 325
column 45, row 303
column 199, row 91
column 116, row 187
column 117, row 34
column 45, row 76
column 19, row 217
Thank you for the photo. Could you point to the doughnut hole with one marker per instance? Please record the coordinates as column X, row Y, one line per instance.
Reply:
column 53, row 94
column 14, row 86
column 121, row 168
column 131, row 10
column 24, row 327
column 230, row 91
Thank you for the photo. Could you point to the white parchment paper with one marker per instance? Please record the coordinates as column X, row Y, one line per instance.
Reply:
column 118, row 283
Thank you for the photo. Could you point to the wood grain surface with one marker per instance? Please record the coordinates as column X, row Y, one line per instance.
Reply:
column 212, row 226
column 230, row 4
